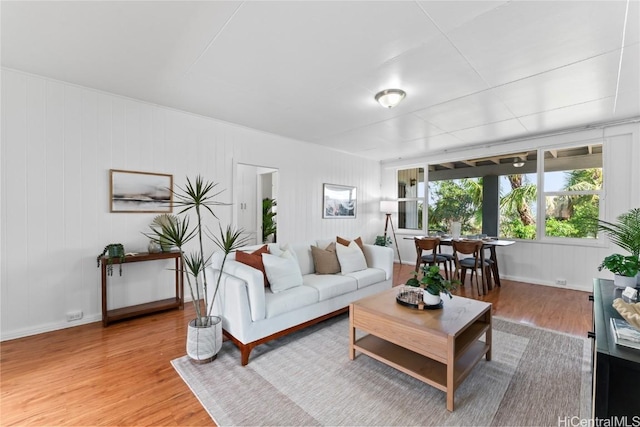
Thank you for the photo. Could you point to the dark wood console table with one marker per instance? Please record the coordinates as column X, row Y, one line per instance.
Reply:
column 122, row 313
column 616, row 369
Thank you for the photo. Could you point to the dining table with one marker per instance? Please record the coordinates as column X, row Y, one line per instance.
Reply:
column 490, row 243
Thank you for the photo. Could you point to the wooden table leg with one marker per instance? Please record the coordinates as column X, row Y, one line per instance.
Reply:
column 494, row 265
column 485, row 279
column 488, row 336
column 352, row 334
column 105, row 321
column 451, row 363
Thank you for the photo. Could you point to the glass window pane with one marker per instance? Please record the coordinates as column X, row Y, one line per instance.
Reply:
column 410, row 214
column 571, row 216
column 410, row 183
column 518, row 196
column 456, row 200
column 573, row 169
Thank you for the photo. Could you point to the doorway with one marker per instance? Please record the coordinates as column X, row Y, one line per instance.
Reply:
column 255, row 202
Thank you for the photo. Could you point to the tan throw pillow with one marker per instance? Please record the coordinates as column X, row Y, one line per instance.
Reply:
column 254, row 259
column 346, row 242
column 325, row 261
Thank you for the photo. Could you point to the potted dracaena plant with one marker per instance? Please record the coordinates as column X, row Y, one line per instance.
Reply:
column 624, row 232
column 204, row 334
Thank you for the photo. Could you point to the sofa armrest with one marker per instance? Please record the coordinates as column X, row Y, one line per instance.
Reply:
column 250, row 278
column 379, row 257
column 232, row 303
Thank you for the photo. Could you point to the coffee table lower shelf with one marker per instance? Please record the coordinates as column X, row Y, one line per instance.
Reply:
column 418, row 366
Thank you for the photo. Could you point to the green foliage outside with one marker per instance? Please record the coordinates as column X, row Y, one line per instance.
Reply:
column 515, row 228
column 572, row 216
column 565, row 216
column 456, row 201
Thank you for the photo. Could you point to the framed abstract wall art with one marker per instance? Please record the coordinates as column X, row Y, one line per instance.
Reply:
column 339, row 201
column 132, row 191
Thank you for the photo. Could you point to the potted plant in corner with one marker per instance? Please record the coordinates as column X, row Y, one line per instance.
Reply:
column 383, row 241
column 433, row 284
column 624, row 268
column 111, row 251
column 204, row 333
column 625, row 233
column 269, row 227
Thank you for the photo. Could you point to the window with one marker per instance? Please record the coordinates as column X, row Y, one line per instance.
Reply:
column 518, row 201
column 456, row 200
column 535, row 194
column 410, row 198
column 572, row 191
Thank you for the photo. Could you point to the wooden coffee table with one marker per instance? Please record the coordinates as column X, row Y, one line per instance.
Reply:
column 439, row 347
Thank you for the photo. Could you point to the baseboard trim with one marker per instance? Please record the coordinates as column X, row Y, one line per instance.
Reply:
column 50, row 327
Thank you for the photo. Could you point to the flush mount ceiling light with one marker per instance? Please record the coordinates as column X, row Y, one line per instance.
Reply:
column 389, row 98
column 517, row 163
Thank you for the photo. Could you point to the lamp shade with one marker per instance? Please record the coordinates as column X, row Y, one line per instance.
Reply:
column 388, row 206
column 389, row 98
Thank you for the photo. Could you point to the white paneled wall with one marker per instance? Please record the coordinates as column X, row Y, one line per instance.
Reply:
column 59, row 142
column 545, row 262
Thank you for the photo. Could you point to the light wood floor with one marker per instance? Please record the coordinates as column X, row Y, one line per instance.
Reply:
column 121, row 375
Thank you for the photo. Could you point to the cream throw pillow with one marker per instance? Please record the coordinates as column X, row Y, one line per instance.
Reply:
column 351, row 258
column 282, row 271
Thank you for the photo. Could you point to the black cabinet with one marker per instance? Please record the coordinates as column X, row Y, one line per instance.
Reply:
column 616, row 369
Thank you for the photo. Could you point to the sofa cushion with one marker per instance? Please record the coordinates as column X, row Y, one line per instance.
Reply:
column 368, row 277
column 254, row 259
column 351, row 258
column 325, row 261
column 330, row 285
column 289, row 300
column 282, row 271
column 346, row 242
column 301, row 251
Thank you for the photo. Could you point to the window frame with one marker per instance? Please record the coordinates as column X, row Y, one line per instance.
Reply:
column 416, row 199
column 541, row 236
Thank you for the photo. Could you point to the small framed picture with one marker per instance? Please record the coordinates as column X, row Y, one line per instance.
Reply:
column 339, row 201
column 132, row 191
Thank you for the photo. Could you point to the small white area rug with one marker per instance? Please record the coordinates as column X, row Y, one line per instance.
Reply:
column 536, row 377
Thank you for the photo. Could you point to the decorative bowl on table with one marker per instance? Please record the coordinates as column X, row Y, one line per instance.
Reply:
column 629, row 311
column 413, row 297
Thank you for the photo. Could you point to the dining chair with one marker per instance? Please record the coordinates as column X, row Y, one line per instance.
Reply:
column 439, row 233
column 432, row 245
column 476, row 263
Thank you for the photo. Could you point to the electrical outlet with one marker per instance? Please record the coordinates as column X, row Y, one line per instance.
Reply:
column 74, row 315
column 561, row 282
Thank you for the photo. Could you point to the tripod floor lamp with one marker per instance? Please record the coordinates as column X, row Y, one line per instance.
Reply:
column 389, row 207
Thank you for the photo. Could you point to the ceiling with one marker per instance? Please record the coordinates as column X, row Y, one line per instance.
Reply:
column 475, row 72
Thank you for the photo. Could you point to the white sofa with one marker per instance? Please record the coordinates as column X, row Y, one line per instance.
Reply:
column 252, row 314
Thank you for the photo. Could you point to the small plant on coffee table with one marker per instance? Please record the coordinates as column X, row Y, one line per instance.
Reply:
column 433, row 282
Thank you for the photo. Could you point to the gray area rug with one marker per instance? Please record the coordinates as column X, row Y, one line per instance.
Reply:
column 535, row 378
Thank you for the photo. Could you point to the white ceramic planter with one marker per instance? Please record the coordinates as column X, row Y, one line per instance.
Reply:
column 430, row 299
column 624, row 281
column 204, row 343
